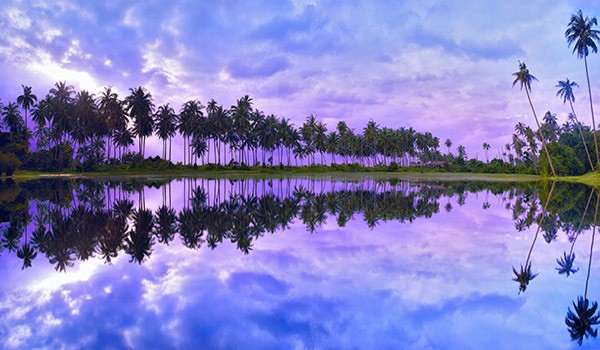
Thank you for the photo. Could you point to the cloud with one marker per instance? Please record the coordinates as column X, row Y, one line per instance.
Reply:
column 268, row 67
column 472, row 48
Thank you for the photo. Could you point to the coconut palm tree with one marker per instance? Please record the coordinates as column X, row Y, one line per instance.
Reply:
column 525, row 78
column 448, row 143
column 112, row 111
column 26, row 101
column 12, row 120
column 565, row 91
column 581, row 34
column 139, row 105
column 486, row 148
column 165, row 121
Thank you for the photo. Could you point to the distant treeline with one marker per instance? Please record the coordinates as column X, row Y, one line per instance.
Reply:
column 79, row 131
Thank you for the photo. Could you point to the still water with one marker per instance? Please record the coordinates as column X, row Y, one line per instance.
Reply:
column 296, row 263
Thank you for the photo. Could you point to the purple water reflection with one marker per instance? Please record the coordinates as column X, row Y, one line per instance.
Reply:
column 439, row 279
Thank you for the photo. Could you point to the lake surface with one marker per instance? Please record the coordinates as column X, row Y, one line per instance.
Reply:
column 294, row 264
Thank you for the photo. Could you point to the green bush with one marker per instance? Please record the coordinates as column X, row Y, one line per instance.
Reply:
column 9, row 163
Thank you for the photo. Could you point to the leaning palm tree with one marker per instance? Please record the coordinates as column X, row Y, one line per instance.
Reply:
column 525, row 78
column 581, row 34
column 27, row 100
column 566, row 92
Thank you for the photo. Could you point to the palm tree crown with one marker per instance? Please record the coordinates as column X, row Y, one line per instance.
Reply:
column 565, row 90
column 581, row 35
column 524, row 77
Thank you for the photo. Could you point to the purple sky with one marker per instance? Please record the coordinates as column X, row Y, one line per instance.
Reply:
column 439, row 66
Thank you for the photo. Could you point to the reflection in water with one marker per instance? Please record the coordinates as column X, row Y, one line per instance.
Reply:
column 82, row 219
column 78, row 220
column 525, row 276
column 580, row 321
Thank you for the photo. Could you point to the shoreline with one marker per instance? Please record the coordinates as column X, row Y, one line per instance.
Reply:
column 260, row 174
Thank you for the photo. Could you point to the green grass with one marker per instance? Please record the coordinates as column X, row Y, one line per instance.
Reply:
column 275, row 172
column 591, row 179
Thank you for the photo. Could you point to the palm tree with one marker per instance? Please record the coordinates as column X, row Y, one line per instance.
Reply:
column 486, row 148
column 165, row 126
column 566, row 92
column 139, row 105
column 26, row 101
column 12, row 120
column 448, row 143
column 112, row 111
column 370, row 136
column 583, row 37
column 525, row 78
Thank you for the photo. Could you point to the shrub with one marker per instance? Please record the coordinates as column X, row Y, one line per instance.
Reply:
column 9, row 163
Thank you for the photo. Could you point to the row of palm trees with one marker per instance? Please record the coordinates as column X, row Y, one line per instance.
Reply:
column 105, row 126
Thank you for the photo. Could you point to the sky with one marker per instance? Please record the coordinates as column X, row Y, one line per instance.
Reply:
column 439, row 66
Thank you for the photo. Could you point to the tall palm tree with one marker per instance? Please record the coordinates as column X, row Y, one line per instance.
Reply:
column 139, row 104
column 525, row 78
column 12, row 120
column 240, row 114
column 565, row 91
column 112, row 111
column 370, row 136
column 486, row 148
column 165, row 122
column 448, row 143
column 26, row 101
column 581, row 34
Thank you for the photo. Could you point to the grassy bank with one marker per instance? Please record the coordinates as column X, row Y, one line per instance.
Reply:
column 591, row 179
column 276, row 172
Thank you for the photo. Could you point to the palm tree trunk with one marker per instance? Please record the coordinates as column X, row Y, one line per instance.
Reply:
column 587, row 152
column 540, row 132
column 591, row 109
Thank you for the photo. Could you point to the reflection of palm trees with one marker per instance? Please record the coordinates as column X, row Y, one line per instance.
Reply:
column 27, row 253
column 140, row 241
column 566, row 262
column 165, row 224
column 524, row 276
column 218, row 211
column 580, row 321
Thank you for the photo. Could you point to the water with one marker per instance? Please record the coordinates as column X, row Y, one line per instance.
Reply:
column 291, row 263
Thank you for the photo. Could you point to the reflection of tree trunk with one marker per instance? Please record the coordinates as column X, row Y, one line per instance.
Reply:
column 581, row 222
column 587, row 279
column 540, row 223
